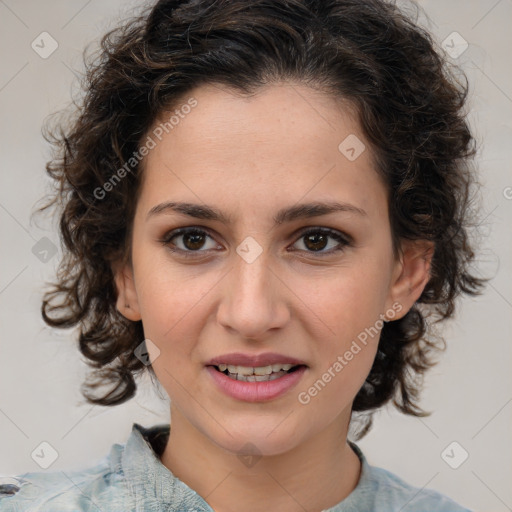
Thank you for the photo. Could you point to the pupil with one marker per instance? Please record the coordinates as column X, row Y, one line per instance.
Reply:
column 197, row 240
column 311, row 238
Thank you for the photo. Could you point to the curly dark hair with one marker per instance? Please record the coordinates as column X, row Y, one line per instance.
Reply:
column 410, row 104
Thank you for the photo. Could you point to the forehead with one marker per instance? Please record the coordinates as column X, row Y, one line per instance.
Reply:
column 285, row 143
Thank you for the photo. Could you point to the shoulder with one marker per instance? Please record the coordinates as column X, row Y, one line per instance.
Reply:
column 392, row 489
column 85, row 490
column 381, row 490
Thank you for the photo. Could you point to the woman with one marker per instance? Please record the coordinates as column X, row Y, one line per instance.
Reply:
column 264, row 206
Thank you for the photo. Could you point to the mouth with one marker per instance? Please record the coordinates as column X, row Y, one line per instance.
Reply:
column 257, row 373
column 256, row 383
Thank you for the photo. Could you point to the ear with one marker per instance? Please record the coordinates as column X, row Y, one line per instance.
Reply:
column 127, row 301
column 410, row 276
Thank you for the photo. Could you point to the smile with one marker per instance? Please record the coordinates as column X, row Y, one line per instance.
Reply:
column 256, row 374
column 256, row 384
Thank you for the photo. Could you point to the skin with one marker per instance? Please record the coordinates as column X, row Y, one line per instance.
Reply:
column 250, row 157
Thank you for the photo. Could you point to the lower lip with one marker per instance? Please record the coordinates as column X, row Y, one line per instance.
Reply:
column 256, row 391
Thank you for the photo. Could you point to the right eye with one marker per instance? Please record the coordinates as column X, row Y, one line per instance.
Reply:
column 193, row 239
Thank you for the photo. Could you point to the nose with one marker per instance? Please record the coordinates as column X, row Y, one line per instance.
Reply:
column 254, row 299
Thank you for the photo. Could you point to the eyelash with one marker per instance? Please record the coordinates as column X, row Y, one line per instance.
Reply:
column 344, row 240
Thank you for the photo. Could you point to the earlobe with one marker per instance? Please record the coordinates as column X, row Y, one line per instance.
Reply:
column 127, row 302
column 412, row 274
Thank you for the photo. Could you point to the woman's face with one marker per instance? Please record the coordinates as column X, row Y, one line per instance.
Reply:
column 263, row 273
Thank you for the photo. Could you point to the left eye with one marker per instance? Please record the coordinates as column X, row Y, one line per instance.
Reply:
column 314, row 240
column 317, row 239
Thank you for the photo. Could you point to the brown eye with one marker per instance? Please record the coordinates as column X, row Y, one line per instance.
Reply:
column 193, row 240
column 316, row 240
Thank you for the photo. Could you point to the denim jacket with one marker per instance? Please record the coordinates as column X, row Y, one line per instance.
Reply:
column 132, row 478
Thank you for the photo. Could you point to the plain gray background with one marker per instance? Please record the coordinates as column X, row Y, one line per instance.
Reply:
column 469, row 392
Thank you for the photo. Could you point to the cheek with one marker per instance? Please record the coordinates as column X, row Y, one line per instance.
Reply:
column 172, row 315
column 167, row 294
column 334, row 388
column 345, row 304
column 345, row 322
column 174, row 309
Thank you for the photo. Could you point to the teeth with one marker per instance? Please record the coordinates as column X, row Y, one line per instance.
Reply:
column 256, row 378
column 257, row 371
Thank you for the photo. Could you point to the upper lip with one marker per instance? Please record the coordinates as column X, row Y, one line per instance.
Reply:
column 239, row 359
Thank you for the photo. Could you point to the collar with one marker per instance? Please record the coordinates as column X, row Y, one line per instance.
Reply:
column 153, row 483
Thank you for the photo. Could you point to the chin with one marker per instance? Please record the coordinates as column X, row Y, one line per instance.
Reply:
column 260, row 438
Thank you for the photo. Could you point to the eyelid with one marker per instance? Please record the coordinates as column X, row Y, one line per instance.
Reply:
column 343, row 238
column 168, row 236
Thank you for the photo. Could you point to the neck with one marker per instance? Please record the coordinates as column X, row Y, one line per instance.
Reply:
column 314, row 476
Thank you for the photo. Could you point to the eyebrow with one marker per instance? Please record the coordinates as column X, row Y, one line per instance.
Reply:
column 301, row 211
